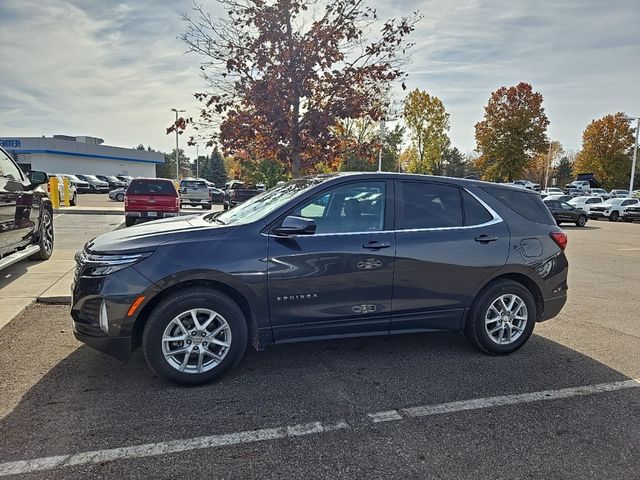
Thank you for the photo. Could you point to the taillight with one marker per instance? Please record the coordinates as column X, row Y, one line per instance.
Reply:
column 560, row 238
column 178, row 203
column 126, row 201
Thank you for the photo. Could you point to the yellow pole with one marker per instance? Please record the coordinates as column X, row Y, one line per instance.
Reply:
column 67, row 193
column 54, row 193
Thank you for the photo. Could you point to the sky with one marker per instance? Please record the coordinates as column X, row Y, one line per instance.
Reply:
column 114, row 69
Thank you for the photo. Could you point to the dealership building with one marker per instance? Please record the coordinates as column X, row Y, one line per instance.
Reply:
column 83, row 155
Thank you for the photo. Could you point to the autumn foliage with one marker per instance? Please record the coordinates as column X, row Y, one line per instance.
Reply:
column 606, row 145
column 512, row 132
column 284, row 73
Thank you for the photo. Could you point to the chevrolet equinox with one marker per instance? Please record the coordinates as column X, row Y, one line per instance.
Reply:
column 329, row 256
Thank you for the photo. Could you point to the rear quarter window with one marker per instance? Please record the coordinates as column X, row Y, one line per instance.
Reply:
column 151, row 187
column 527, row 205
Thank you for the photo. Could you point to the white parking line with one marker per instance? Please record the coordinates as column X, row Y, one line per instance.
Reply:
column 313, row 428
column 629, row 249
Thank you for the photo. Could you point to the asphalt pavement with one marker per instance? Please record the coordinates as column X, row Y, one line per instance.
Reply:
column 415, row 406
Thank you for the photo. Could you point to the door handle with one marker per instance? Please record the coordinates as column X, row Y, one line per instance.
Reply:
column 374, row 245
column 486, row 239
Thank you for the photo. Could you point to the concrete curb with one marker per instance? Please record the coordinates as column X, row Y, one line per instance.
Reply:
column 89, row 212
column 60, row 300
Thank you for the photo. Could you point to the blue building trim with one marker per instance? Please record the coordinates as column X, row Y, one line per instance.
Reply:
column 89, row 155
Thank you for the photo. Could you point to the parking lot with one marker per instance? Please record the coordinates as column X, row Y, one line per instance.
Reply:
column 563, row 406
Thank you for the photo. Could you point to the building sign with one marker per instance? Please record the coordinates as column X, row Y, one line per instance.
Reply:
column 10, row 143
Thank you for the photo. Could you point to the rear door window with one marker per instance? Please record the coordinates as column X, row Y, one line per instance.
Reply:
column 429, row 205
column 151, row 187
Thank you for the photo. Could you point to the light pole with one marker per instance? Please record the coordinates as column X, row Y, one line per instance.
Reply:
column 177, row 149
column 635, row 152
column 197, row 161
column 381, row 144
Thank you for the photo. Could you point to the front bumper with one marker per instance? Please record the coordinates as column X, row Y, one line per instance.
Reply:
column 631, row 215
column 110, row 296
column 594, row 215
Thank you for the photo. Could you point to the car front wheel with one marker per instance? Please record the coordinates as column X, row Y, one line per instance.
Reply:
column 582, row 221
column 614, row 217
column 45, row 237
column 194, row 336
column 502, row 318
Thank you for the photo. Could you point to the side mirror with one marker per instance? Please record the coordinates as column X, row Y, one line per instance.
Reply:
column 296, row 226
column 38, row 178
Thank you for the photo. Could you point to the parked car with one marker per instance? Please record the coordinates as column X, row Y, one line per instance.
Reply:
column 113, row 182
column 260, row 187
column 95, row 185
column 564, row 212
column 194, row 192
column 81, row 185
column 553, row 191
column 582, row 185
column 631, row 213
column 216, row 195
column 150, row 199
column 612, row 209
column 194, row 291
column 26, row 214
column 118, row 194
column 527, row 184
column 600, row 192
column 125, row 178
column 585, row 203
column 237, row 193
column 619, row 193
column 560, row 198
column 577, row 192
column 73, row 191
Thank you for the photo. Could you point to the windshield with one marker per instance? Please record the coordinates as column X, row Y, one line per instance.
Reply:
column 577, row 200
column 266, row 202
column 92, row 178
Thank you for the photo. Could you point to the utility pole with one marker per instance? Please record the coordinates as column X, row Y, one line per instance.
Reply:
column 197, row 162
column 546, row 174
column 635, row 152
column 177, row 149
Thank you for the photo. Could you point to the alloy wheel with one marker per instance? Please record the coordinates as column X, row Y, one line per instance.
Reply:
column 506, row 319
column 46, row 233
column 196, row 341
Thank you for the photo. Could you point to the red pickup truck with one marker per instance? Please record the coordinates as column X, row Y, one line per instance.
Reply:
column 150, row 198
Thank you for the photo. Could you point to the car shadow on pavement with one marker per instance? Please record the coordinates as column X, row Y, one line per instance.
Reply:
column 90, row 401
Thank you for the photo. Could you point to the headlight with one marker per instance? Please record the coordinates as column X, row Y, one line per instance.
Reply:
column 100, row 265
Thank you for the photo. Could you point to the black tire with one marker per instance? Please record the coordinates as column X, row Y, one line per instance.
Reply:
column 614, row 216
column 582, row 221
column 92, row 189
column 129, row 221
column 74, row 200
column 120, row 197
column 475, row 329
column 225, row 206
column 628, row 220
column 178, row 303
column 45, row 236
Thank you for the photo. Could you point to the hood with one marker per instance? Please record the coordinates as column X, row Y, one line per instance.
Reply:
column 148, row 236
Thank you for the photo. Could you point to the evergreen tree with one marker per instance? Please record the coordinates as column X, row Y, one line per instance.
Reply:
column 216, row 171
column 455, row 165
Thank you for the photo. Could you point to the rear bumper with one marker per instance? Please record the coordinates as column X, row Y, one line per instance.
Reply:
column 552, row 307
column 151, row 214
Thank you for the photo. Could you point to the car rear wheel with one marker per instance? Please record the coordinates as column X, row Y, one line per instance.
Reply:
column 502, row 318
column 194, row 336
column 45, row 237
column 614, row 216
column 129, row 221
column 582, row 221
column 120, row 197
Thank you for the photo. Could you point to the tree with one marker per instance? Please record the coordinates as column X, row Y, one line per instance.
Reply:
column 281, row 76
column 168, row 168
column 218, row 171
column 268, row 172
column 512, row 133
column 542, row 165
column 563, row 171
column 360, row 144
column 428, row 123
column 454, row 163
column 606, row 149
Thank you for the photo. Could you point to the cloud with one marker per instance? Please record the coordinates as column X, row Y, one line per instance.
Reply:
column 113, row 69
